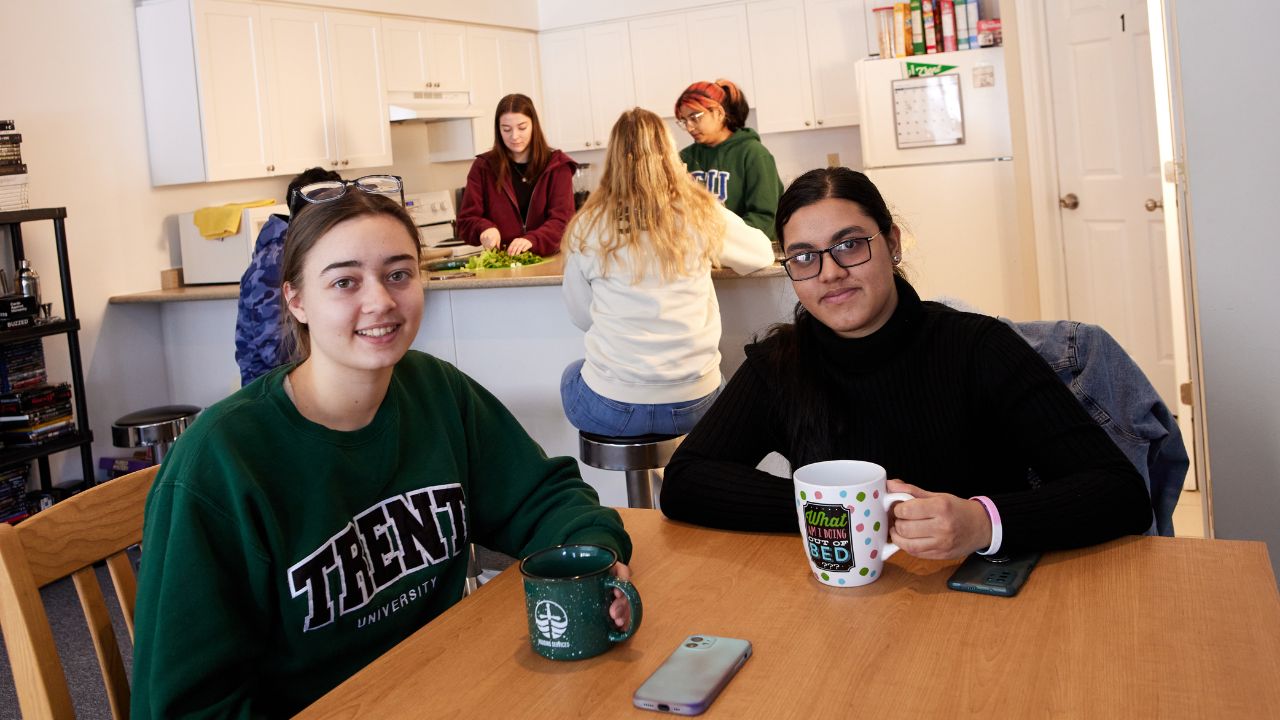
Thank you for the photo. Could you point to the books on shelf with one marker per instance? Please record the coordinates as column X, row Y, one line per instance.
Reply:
column 22, row 401
column 13, row 492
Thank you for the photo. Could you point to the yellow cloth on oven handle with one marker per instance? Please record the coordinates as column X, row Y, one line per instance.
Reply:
column 223, row 220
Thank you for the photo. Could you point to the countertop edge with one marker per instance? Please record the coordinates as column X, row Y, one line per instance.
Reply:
column 231, row 291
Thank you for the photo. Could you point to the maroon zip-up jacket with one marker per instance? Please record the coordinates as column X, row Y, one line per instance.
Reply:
column 485, row 206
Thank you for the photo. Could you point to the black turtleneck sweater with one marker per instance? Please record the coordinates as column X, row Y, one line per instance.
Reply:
column 948, row 401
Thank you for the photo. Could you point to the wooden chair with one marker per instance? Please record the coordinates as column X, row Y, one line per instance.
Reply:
column 67, row 539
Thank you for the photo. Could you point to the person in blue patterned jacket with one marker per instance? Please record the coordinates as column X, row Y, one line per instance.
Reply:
column 258, row 324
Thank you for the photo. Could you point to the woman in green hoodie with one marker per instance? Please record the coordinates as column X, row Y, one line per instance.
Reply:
column 725, row 155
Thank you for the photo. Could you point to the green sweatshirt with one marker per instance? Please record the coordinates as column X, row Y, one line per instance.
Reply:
column 741, row 172
column 280, row 557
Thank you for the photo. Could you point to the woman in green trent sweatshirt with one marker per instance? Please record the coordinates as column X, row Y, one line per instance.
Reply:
column 309, row 522
column 726, row 156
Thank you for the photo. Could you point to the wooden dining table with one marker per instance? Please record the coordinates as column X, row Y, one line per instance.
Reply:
column 1135, row 628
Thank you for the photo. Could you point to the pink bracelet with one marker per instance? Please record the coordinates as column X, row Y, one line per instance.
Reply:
column 997, row 530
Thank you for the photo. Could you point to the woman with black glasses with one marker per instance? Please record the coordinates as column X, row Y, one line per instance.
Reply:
column 727, row 156
column 311, row 521
column 960, row 411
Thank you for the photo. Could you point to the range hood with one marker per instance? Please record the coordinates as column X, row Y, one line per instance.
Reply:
column 430, row 105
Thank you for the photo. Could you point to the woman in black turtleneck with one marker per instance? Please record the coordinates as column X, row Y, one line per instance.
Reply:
column 953, row 405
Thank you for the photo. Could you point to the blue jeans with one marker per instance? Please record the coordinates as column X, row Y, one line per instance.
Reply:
column 589, row 411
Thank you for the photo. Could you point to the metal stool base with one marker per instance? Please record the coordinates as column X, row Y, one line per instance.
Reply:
column 641, row 459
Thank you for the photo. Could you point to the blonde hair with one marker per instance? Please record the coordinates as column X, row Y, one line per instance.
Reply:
column 645, row 188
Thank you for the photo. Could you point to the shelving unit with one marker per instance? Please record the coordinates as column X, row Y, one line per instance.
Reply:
column 82, row 439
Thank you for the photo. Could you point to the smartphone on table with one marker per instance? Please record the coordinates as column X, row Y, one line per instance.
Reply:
column 692, row 675
column 999, row 574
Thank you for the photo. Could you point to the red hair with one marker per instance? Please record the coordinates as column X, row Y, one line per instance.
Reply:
column 721, row 94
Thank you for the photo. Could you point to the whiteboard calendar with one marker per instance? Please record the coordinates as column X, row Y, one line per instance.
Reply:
column 927, row 111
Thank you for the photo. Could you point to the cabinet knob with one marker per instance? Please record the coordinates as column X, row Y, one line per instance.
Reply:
column 819, row 122
column 807, row 123
column 334, row 163
column 587, row 144
column 271, row 168
column 597, row 143
column 346, row 163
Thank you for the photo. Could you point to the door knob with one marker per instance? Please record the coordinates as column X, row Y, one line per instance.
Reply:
column 1069, row 201
column 1152, row 204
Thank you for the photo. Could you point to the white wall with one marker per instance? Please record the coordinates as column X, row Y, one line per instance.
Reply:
column 554, row 14
column 1230, row 126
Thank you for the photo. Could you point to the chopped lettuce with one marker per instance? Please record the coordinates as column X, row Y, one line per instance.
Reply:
column 495, row 259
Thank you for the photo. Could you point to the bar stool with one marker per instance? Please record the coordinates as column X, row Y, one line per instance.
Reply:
column 155, row 427
column 637, row 456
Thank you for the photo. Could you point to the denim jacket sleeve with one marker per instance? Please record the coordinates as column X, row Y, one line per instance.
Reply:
column 1116, row 393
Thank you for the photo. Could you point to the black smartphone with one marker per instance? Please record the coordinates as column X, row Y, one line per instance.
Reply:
column 999, row 574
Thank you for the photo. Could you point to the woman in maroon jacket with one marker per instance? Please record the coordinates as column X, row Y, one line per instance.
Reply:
column 519, row 195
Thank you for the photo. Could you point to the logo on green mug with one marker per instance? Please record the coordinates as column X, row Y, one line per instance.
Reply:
column 552, row 622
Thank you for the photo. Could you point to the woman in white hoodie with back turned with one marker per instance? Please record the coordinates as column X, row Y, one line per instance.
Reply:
column 637, row 279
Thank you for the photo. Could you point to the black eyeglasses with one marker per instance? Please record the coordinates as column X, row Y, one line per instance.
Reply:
column 330, row 190
column 847, row 253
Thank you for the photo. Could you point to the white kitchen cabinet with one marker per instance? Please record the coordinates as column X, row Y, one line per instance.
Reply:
column 203, row 91
column 297, row 73
column 660, row 57
column 666, row 60
column 501, row 62
column 720, row 48
column 235, row 90
column 803, row 54
column 587, row 83
column 425, row 56
column 362, row 129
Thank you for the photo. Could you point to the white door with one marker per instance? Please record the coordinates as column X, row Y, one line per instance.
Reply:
column 725, row 53
column 1108, row 159
column 446, row 56
column 484, row 66
column 780, row 63
column 837, row 39
column 233, row 96
column 518, row 54
column 297, row 62
column 359, row 99
column 609, row 77
column 405, row 52
column 660, row 46
column 566, row 112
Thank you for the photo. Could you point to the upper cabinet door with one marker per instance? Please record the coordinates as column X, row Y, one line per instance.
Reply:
column 297, row 63
column 609, row 76
column 837, row 39
column 234, row 111
column 566, row 110
column 727, row 53
column 779, row 59
column 405, row 52
column 519, row 54
column 359, row 100
column 446, row 56
column 483, row 51
column 660, row 46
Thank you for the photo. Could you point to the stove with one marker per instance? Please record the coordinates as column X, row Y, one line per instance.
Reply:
column 433, row 213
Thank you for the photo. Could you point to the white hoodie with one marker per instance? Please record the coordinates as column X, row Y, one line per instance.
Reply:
column 655, row 341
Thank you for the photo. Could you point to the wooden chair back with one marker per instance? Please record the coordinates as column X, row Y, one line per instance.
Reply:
column 66, row 540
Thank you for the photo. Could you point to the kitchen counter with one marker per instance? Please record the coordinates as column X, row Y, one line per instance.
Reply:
column 507, row 329
column 550, row 272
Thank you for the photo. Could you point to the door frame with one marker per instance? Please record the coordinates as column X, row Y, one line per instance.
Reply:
column 1030, row 30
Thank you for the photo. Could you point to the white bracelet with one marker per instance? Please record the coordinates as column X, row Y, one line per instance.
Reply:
column 997, row 530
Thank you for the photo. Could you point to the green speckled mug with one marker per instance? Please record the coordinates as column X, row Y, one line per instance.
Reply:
column 567, row 593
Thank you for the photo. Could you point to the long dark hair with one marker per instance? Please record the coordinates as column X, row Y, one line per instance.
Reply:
column 790, row 349
column 313, row 222
column 539, row 151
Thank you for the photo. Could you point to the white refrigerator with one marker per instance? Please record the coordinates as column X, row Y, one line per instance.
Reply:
column 938, row 147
